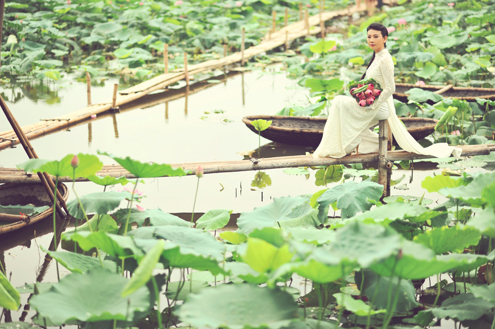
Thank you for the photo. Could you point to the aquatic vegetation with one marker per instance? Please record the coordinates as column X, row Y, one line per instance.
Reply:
column 364, row 265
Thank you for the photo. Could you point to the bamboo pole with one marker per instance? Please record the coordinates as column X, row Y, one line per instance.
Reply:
column 224, row 50
column 322, row 23
column 286, row 17
column 185, row 69
column 115, row 126
column 286, row 40
column 2, row 10
column 300, row 11
column 242, row 45
column 88, row 85
column 165, row 57
column 114, row 96
column 383, row 163
column 274, row 20
column 306, row 21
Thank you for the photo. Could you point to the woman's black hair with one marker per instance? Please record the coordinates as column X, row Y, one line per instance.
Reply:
column 384, row 32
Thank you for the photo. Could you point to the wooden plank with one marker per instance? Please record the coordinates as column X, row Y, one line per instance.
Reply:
column 10, row 175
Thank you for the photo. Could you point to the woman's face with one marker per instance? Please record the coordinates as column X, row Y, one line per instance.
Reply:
column 376, row 41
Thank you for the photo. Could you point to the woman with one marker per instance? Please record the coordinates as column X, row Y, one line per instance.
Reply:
column 347, row 126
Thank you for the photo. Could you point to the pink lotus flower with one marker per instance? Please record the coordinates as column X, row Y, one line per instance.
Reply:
column 141, row 3
column 430, row 5
column 334, row 48
column 21, row 21
column 391, row 29
column 308, row 5
column 68, row 2
column 420, row 83
column 456, row 133
column 377, row 92
column 140, row 208
column 451, row 4
column 93, row 116
column 370, row 100
column 401, row 21
column 74, row 162
column 362, row 103
column 16, row 16
column 238, row 3
column 23, row 39
column 178, row 2
column 199, row 172
column 368, row 93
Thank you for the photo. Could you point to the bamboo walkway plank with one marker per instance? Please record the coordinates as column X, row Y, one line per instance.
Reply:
column 12, row 175
column 296, row 30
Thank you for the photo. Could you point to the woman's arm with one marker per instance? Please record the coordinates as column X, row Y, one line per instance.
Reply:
column 387, row 70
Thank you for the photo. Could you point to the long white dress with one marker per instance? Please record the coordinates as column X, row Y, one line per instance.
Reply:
column 348, row 123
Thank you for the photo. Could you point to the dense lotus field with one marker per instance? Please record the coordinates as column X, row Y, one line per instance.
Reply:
column 340, row 256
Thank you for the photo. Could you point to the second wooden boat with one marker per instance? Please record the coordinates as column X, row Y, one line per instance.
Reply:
column 464, row 93
column 307, row 131
column 26, row 194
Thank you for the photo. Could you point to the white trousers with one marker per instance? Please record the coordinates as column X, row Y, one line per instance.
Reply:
column 367, row 139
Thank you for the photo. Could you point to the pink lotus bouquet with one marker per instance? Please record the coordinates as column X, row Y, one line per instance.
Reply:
column 365, row 91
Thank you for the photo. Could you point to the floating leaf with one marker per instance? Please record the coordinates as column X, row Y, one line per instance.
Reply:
column 214, row 219
column 73, row 299
column 421, row 96
column 157, row 217
column 438, row 182
column 222, row 307
column 28, row 210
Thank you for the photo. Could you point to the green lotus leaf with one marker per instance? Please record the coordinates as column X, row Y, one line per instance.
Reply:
column 106, row 28
column 123, row 53
column 467, row 262
column 28, row 210
column 486, row 292
column 10, row 298
column 356, row 306
column 439, row 58
column 484, row 222
column 100, row 223
column 108, row 180
column 427, row 71
column 324, row 85
column 100, row 203
column 309, row 235
column 222, row 307
column 157, row 217
column 73, row 299
column 296, row 171
column 422, row 96
column 283, row 211
column 351, row 198
column 443, row 42
column 264, row 257
column 143, row 272
column 269, row 234
column 322, row 46
column 185, row 247
column 244, row 272
column 181, row 289
column 436, row 183
column 462, row 307
column 471, row 193
column 371, row 281
column 77, row 263
column 19, row 325
column 214, row 219
column 114, row 245
column 390, row 212
column 491, row 38
column 261, row 124
column 357, row 60
column 445, row 239
column 330, row 174
column 146, row 170
column 88, row 165
column 261, row 180
column 233, row 237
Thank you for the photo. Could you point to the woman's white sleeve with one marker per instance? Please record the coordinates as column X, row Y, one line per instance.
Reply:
column 387, row 71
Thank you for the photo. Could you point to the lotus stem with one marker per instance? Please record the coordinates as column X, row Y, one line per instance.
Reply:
column 259, row 144
column 389, row 317
column 128, row 216
column 194, row 203
column 157, row 293
column 439, row 289
column 55, row 244
column 341, row 311
column 368, row 322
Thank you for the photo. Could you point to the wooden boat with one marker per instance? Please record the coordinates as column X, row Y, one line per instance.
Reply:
column 464, row 93
column 307, row 131
column 24, row 194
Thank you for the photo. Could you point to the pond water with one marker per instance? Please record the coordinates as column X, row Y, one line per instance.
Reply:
column 174, row 132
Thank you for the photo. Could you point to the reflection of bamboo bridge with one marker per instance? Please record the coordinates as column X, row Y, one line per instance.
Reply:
column 19, row 176
column 310, row 25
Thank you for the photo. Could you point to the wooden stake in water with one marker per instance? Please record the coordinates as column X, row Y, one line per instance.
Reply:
column 114, row 98
column 286, row 18
column 88, row 84
column 306, row 19
column 286, row 40
column 382, row 156
column 242, row 45
column 300, row 12
column 274, row 22
column 224, row 50
column 322, row 24
column 269, row 35
column 185, row 69
column 165, row 57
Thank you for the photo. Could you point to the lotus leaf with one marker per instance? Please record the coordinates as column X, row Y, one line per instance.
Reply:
column 439, row 58
column 471, row 193
column 157, row 217
column 371, row 281
column 324, row 85
column 222, row 307
column 144, row 271
column 445, row 239
column 25, row 209
column 462, row 307
column 88, row 165
column 77, row 263
column 443, row 42
column 427, row 71
column 421, row 96
column 214, row 219
column 284, row 211
column 10, row 298
column 438, row 182
column 484, row 222
column 99, row 203
column 330, row 174
column 233, row 237
column 146, row 170
column 356, row 306
column 114, row 245
column 351, row 198
column 309, row 235
column 100, row 223
column 245, row 273
column 486, row 292
column 264, row 257
column 390, row 212
column 180, row 290
column 322, row 47
column 108, row 180
column 73, row 299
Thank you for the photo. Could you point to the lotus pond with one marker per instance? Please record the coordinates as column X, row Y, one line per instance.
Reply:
column 293, row 248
